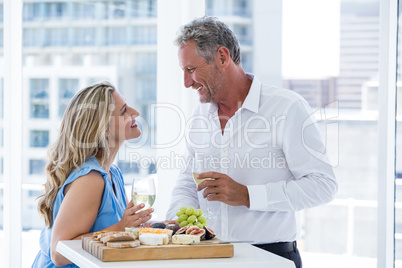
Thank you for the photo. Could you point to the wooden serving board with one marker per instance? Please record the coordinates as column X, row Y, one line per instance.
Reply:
column 162, row 252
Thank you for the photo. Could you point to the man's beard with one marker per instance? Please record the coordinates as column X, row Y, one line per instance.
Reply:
column 211, row 89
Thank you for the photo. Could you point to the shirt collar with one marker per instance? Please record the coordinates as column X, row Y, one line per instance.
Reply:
column 213, row 107
column 252, row 101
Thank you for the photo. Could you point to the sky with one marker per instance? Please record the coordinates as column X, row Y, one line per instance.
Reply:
column 310, row 40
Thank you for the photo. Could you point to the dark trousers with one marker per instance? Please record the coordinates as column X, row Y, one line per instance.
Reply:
column 284, row 249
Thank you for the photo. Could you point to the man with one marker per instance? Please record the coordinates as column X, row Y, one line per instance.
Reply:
column 265, row 154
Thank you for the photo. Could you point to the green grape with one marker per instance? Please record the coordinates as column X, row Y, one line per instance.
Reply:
column 200, row 212
column 182, row 217
column 196, row 213
column 192, row 219
column 178, row 213
column 183, row 209
column 183, row 223
column 190, row 224
column 203, row 220
column 199, row 224
column 190, row 210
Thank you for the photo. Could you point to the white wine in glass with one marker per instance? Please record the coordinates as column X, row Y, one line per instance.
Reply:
column 198, row 167
column 143, row 190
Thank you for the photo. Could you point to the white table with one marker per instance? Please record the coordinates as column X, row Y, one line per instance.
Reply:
column 245, row 255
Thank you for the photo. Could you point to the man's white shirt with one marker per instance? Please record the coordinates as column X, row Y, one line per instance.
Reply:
column 273, row 146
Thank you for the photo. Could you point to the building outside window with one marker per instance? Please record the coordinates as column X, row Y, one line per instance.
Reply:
column 84, row 36
column 32, row 11
column 55, row 10
column 243, row 33
column 242, row 8
column 116, row 36
column 143, row 35
column 85, row 11
column 56, row 37
column 39, row 98
column 143, row 8
column 39, row 138
column 36, row 166
column 67, row 89
column 32, row 37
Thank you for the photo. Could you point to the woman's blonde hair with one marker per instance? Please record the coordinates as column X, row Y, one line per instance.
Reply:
column 82, row 135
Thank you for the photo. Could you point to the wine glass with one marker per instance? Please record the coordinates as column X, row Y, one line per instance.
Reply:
column 200, row 166
column 143, row 190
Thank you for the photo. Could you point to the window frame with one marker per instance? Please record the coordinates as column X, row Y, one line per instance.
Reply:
column 13, row 18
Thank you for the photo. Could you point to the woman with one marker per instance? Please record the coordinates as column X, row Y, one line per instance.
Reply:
column 84, row 191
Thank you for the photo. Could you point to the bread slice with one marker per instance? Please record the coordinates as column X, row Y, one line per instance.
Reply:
column 127, row 244
column 103, row 234
column 120, row 236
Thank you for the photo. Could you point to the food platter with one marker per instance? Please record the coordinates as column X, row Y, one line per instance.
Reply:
column 161, row 252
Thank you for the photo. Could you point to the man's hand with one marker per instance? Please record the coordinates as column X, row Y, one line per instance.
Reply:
column 224, row 189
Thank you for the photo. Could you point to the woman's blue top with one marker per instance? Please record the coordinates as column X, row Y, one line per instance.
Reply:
column 111, row 210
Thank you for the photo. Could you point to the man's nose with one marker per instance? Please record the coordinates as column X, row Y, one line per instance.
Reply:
column 188, row 80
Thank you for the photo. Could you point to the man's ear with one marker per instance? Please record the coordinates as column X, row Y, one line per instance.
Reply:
column 223, row 57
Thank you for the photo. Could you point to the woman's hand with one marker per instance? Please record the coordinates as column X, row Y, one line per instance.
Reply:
column 132, row 217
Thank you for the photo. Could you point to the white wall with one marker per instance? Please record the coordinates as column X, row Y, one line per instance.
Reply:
column 174, row 102
column 267, row 41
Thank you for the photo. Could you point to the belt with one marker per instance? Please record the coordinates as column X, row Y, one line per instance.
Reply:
column 278, row 248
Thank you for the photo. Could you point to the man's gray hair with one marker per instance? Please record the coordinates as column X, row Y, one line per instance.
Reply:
column 209, row 34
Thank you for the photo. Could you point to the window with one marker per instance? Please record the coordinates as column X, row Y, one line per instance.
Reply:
column 147, row 92
column 39, row 94
column 243, row 33
column 68, row 45
column 32, row 11
column 143, row 35
column 341, row 232
column 128, row 167
column 39, row 138
column 116, row 36
column 1, row 12
column 1, row 99
column 36, row 166
column 84, row 36
column 56, row 37
column 345, row 229
column 67, row 89
column 242, row 8
column 398, row 162
column 32, row 37
column 143, row 8
column 85, row 11
column 146, row 64
column 55, row 11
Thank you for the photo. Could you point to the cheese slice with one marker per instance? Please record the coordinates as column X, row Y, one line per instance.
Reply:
column 153, row 239
column 135, row 231
column 125, row 244
column 185, row 239
column 156, row 231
